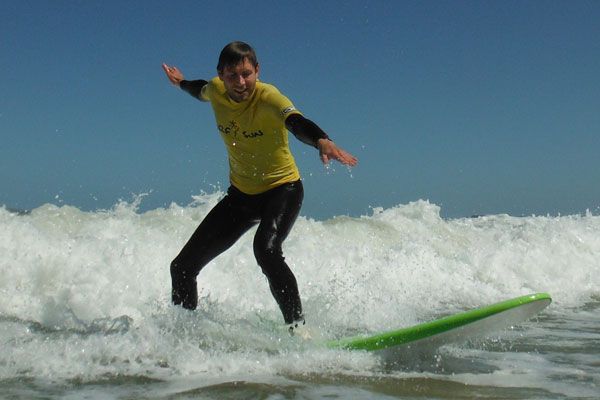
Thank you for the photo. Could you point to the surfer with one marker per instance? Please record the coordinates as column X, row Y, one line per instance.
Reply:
column 253, row 119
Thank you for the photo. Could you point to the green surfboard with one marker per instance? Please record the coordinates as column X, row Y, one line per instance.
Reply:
column 457, row 327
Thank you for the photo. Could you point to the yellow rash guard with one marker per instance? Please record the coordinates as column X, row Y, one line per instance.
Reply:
column 255, row 135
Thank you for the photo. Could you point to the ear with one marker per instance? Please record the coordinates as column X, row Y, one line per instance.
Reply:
column 257, row 69
column 220, row 73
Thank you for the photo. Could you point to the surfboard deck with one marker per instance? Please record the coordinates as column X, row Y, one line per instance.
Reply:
column 461, row 326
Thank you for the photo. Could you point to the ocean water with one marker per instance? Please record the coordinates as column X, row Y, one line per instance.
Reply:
column 85, row 313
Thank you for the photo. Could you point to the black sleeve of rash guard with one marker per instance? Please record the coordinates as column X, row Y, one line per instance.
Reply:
column 193, row 87
column 305, row 130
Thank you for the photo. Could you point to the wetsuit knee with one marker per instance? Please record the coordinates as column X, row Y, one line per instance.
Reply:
column 268, row 258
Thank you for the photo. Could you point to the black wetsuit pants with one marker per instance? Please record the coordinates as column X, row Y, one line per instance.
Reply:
column 275, row 211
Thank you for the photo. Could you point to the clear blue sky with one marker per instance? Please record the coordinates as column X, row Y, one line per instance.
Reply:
column 479, row 106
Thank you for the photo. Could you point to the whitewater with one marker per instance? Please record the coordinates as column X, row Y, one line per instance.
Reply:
column 85, row 306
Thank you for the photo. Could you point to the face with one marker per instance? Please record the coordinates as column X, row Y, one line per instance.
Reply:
column 240, row 80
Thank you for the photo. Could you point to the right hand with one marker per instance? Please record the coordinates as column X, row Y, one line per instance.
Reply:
column 173, row 73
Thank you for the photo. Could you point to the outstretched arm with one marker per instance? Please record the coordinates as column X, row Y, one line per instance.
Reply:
column 308, row 132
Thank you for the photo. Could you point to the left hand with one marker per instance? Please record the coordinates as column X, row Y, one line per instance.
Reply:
column 329, row 151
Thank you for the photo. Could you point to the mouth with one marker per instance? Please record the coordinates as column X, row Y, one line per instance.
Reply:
column 239, row 94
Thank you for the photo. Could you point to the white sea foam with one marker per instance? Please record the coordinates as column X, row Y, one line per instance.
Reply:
column 86, row 294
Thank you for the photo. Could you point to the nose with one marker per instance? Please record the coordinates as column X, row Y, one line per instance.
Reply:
column 240, row 80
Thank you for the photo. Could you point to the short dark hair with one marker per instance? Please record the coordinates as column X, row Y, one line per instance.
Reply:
column 235, row 53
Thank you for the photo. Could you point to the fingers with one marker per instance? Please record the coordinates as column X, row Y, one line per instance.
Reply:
column 168, row 70
column 346, row 158
column 331, row 151
column 173, row 73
